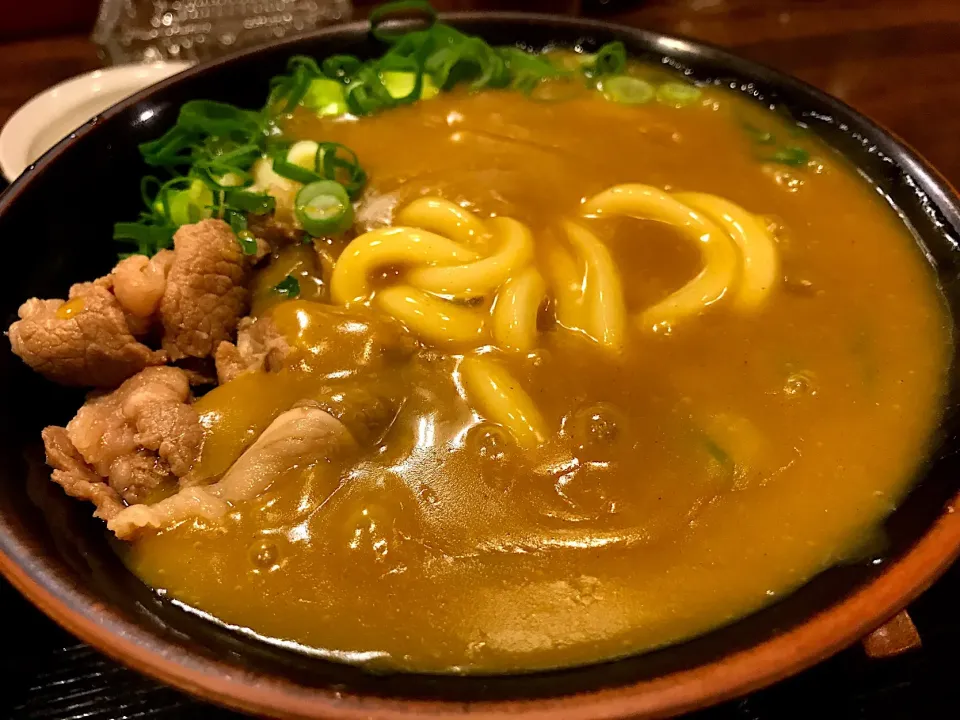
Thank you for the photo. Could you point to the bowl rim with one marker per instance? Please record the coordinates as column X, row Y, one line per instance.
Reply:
column 822, row 635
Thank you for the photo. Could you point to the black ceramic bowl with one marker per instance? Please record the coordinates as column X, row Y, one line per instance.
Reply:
column 56, row 221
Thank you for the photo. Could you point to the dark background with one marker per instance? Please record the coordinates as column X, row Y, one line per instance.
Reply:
column 896, row 60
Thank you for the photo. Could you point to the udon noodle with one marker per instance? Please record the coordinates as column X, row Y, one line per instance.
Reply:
column 436, row 237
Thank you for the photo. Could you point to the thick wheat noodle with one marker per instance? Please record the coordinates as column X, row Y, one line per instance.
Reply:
column 350, row 281
column 720, row 261
column 433, row 319
column 516, row 309
column 606, row 310
column 481, row 277
column 566, row 277
column 499, row 398
column 757, row 249
column 444, row 218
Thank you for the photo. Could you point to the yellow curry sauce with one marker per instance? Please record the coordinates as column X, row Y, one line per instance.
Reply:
column 713, row 469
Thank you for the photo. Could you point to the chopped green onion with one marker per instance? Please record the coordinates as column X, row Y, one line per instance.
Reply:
column 716, row 452
column 678, row 94
column 401, row 85
column 190, row 205
column 323, row 208
column 218, row 118
column 341, row 67
column 793, row 156
column 237, row 221
column 626, row 90
column 366, row 94
column 148, row 238
column 293, row 87
column 248, row 243
column 289, row 287
column 339, row 163
column 761, row 137
column 250, row 202
column 610, row 59
column 292, row 171
column 231, row 179
column 325, row 97
column 528, row 70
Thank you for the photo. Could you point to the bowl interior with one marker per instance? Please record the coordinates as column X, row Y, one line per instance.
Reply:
column 57, row 220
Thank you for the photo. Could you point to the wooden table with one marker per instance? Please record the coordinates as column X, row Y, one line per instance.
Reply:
column 898, row 61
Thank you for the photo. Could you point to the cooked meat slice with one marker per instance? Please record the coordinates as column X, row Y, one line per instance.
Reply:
column 365, row 411
column 85, row 288
column 190, row 502
column 298, row 436
column 136, row 475
column 76, row 477
column 206, row 290
column 85, row 341
column 100, row 432
column 149, row 411
column 199, row 371
column 276, row 233
column 259, row 346
column 139, row 326
column 173, row 431
column 139, row 282
column 229, row 362
column 375, row 211
column 158, row 407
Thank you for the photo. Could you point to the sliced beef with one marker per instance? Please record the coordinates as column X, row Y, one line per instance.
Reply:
column 76, row 477
column 149, row 412
column 139, row 282
column 138, row 326
column 158, row 406
column 375, row 211
column 275, row 232
column 301, row 435
column 85, row 342
column 137, row 475
column 125, row 446
column 206, row 290
column 365, row 410
column 260, row 346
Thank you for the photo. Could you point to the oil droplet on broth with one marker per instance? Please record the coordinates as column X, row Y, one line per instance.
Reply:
column 800, row 384
column 265, row 555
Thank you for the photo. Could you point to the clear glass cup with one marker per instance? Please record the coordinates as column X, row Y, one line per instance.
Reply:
column 195, row 30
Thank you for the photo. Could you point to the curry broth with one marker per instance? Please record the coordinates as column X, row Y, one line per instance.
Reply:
column 704, row 473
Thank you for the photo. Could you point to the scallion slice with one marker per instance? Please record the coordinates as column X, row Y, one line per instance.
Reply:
column 289, row 287
column 401, row 85
column 191, row 204
column 248, row 243
column 678, row 94
column 250, row 202
column 626, row 90
column 610, row 59
column 325, row 97
column 292, row 171
column 793, row 156
column 323, row 208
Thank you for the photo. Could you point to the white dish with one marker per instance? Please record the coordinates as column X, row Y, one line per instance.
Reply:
column 46, row 118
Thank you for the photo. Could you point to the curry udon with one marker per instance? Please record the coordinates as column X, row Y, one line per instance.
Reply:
column 574, row 374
